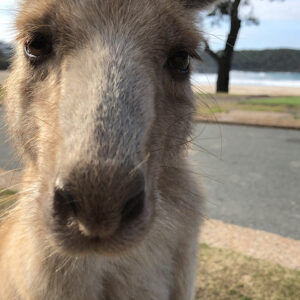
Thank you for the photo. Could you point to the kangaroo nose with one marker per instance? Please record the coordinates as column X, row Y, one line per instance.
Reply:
column 104, row 211
column 64, row 199
column 133, row 207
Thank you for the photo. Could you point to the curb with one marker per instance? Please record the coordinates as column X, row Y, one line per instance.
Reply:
column 247, row 123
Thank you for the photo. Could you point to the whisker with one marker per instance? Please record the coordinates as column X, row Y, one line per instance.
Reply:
column 140, row 164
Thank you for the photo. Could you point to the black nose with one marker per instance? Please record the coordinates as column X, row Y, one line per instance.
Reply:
column 133, row 207
column 101, row 204
column 63, row 200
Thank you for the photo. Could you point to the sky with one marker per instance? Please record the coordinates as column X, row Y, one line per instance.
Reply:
column 279, row 26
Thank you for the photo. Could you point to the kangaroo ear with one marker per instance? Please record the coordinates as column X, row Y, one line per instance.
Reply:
column 198, row 4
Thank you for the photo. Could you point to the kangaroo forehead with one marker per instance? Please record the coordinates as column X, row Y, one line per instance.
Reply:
column 162, row 23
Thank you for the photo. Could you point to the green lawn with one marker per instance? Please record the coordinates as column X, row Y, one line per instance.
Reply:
column 209, row 109
column 211, row 106
column 228, row 275
column 285, row 101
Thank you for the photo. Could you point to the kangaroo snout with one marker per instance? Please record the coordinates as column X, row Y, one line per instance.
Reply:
column 100, row 204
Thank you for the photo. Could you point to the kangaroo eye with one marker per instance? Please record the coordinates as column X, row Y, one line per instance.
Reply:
column 39, row 47
column 180, row 61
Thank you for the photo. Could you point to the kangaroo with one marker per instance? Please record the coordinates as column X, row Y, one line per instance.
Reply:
column 99, row 104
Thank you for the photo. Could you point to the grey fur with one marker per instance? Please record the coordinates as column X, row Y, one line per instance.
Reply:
column 102, row 116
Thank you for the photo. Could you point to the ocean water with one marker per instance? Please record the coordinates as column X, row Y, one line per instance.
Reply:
column 280, row 79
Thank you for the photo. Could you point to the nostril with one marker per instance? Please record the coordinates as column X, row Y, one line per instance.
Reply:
column 64, row 198
column 133, row 207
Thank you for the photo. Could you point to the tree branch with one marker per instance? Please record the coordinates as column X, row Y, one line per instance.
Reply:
column 213, row 54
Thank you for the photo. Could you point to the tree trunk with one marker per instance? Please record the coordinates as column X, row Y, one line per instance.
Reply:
column 223, row 76
column 224, row 62
column 224, row 59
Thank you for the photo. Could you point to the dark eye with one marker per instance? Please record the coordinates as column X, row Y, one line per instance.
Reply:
column 180, row 61
column 39, row 47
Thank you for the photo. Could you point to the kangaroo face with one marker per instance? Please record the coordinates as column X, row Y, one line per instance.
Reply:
column 99, row 100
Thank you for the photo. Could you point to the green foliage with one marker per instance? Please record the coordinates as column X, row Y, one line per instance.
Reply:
column 223, row 9
column 284, row 60
column 277, row 60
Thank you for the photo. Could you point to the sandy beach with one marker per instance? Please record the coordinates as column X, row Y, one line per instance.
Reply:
column 253, row 90
column 235, row 90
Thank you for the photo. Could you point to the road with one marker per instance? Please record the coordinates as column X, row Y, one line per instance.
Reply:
column 8, row 159
column 251, row 175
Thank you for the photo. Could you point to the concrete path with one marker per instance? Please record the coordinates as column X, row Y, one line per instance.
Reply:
column 255, row 243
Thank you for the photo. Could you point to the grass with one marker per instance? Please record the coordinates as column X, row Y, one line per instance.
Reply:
column 226, row 104
column 228, row 275
column 284, row 101
column 7, row 199
column 226, row 107
column 209, row 110
column 260, row 107
column 4, row 193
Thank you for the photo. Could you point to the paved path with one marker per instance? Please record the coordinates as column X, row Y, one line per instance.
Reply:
column 255, row 181
column 256, row 184
column 255, row 243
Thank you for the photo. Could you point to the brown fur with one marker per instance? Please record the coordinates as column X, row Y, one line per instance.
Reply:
column 102, row 116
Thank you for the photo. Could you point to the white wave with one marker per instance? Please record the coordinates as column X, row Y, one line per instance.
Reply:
column 280, row 79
